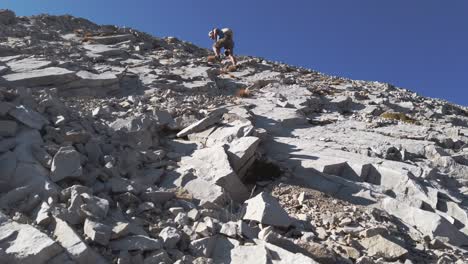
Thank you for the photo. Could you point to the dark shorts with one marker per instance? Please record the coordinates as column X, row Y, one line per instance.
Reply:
column 226, row 43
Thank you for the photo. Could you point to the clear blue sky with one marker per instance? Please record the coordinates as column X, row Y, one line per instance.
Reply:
column 421, row 45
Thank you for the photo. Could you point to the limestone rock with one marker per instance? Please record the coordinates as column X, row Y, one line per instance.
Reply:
column 137, row 242
column 265, row 209
column 25, row 244
column 66, row 163
column 379, row 246
column 76, row 248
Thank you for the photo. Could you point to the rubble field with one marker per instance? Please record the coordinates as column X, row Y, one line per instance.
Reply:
column 120, row 147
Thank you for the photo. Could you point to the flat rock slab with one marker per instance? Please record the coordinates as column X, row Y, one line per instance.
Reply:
column 114, row 39
column 92, row 80
column 213, row 118
column 103, row 50
column 28, row 64
column 138, row 242
column 265, row 209
column 25, row 244
column 265, row 253
column 433, row 224
column 28, row 117
column 42, row 77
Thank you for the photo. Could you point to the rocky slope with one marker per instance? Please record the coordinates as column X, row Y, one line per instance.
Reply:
column 120, row 147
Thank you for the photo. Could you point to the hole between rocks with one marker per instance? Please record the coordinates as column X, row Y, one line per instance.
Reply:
column 262, row 171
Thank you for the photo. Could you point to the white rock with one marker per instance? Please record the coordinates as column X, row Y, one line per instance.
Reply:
column 378, row 246
column 97, row 232
column 265, row 209
column 77, row 249
column 213, row 118
column 170, row 237
column 25, row 244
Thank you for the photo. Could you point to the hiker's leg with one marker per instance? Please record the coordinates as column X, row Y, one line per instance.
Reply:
column 233, row 59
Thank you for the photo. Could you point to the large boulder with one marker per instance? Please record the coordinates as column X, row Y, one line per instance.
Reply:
column 428, row 223
column 21, row 243
column 211, row 165
column 241, row 154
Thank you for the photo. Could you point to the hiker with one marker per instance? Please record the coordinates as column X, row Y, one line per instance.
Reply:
column 223, row 39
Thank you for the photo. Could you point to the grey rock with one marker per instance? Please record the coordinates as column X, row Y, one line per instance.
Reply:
column 28, row 117
column 97, row 232
column 138, row 242
column 170, row 237
column 240, row 153
column 211, row 166
column 41, row 77
column 66, row 163
column 213, row 118
column 8, row 128
column 379, row 246
column 76, row 248
column 265, row 209
column 25, row 244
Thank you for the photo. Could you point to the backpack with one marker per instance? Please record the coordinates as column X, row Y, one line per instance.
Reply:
column 228, row 32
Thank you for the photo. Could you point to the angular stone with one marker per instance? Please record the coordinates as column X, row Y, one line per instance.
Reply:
column 138, row 242
column 265, row 209
column 212, row 165
column 43, row 217
column 8, row 128
column 97, row 232
column 170, row 237
column 94, row 206
column 213, row 118
column 378, row 246
column 241, row 151
column 120, row 229
column 229, row 229
column 66, row 163
column 25, row 244
column 28, row 117
column 76, row 248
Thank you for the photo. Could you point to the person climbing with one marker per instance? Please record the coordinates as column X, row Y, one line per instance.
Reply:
column 223, row 39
